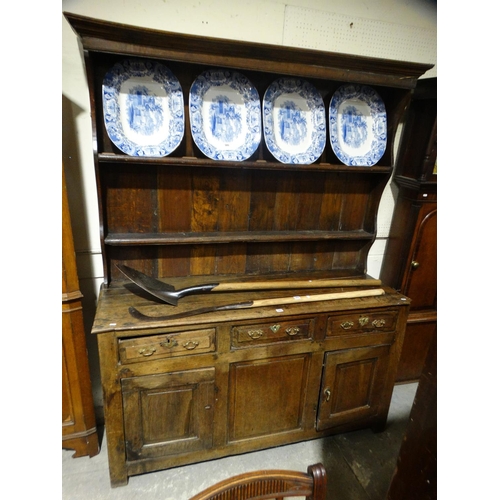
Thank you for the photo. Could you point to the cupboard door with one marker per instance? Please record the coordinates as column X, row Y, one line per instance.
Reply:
column 420, row 278
column 168, row 413
column 352, row 382
column 267, row 396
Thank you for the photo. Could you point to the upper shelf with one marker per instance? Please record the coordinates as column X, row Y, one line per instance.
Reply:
column 118, row 159
column 199, row 238
column 187, row 57
column 104, row 36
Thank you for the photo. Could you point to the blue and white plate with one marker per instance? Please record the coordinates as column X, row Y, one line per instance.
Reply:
column 358, row 125
column 224, row 110
column 143, row 108
column 294, row 121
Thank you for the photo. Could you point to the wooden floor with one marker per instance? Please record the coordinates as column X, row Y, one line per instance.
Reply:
column 359, row 465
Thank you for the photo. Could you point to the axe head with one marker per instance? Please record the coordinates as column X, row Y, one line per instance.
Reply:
column 155, row 287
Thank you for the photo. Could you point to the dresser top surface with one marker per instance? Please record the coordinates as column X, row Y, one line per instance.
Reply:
column 113, row 308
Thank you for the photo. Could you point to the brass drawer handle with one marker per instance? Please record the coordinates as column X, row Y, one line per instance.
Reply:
column 378, row 323
column 346, row 325
column 415, row 264
column 191, row 344
column 169, row 343
column 147, row 351
column 255, row 334
column 293, row 331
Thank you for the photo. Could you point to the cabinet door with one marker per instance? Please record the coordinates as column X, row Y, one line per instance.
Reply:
column 421, row 275
column 352, row 383
column 267, row 396
column 168, row 413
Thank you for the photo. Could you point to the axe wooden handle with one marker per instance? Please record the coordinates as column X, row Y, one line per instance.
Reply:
column 317, row 297
column 271, row 285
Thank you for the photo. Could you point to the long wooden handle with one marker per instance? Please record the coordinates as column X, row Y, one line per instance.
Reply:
column 259, row 303
column 318, row 297
column 279, row 285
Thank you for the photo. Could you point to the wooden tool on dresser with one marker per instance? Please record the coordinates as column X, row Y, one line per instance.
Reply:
column 167, row 293
column 261, row 303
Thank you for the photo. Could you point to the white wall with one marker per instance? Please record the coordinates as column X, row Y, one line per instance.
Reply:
column 393, row 29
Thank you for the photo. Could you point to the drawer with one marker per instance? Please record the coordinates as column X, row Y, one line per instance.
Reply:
column 361, row 322
column 269, row 333
column 167, row 345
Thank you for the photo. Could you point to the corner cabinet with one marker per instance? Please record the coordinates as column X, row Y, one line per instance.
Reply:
column 79, row 432
column 188, row 388
column 410, row 262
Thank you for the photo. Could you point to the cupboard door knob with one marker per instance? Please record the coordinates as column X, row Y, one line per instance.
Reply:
column 415, row 264
column 327, row 393
column 147, row 351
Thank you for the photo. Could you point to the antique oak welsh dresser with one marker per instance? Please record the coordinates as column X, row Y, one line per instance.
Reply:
column 200, row 387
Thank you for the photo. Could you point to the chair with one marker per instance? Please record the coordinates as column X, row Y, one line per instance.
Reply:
column 270, row 484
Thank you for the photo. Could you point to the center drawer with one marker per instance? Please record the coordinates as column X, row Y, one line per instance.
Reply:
column 167, row 345
column 270, row 333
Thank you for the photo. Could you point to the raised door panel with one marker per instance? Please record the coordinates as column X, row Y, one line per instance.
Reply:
column 421, row 275
column 267, row 396
column 352, row 382
column 168, row 413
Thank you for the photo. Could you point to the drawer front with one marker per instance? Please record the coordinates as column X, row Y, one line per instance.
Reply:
column 270, row 333
column 362, row 322
column 167, row 345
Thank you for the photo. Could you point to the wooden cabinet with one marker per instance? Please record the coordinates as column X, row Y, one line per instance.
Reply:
column 79, row 431
column 410, row 262
column 189, row 388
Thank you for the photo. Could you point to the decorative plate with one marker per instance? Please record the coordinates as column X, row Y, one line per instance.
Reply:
column 143, row 108
column 294, row 121
column 224, row 110
column 358, row 125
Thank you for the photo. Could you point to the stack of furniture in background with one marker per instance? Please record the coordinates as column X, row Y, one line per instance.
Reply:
column 79, row 431
column 410, row 261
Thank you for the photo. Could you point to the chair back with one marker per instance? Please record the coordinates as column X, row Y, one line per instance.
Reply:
column 270, row 484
